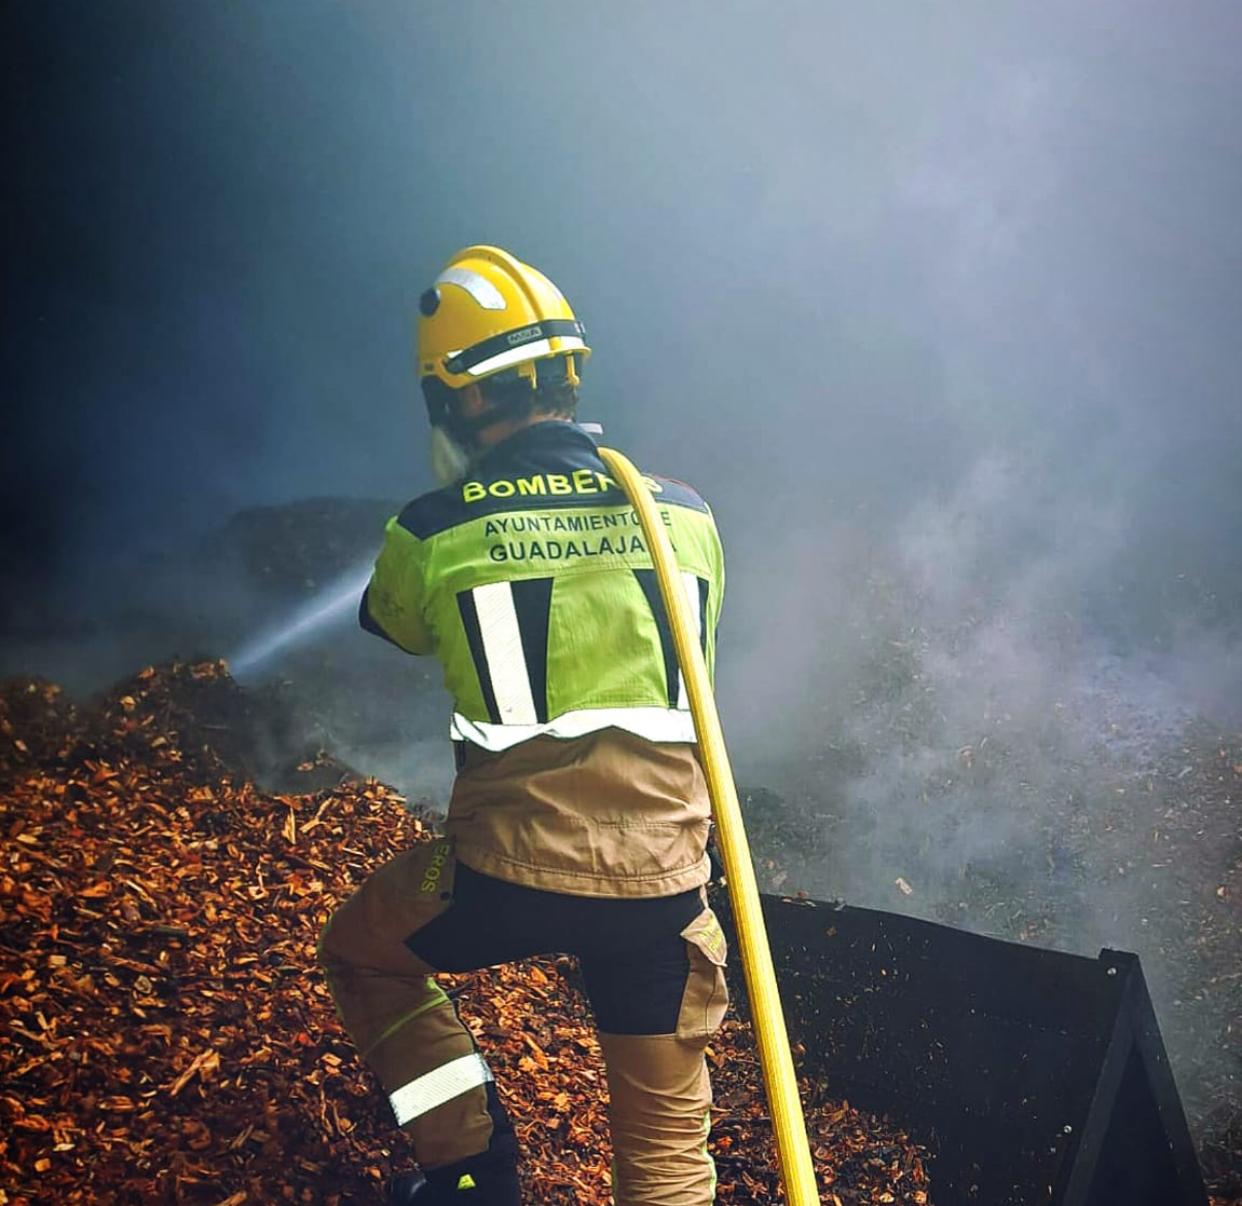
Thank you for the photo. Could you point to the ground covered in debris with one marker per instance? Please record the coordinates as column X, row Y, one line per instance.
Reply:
column 168, row 1037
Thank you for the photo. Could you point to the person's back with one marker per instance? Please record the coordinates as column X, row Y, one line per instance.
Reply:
column 579, row 817
column 575, row 738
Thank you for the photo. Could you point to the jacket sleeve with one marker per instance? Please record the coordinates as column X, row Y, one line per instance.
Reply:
column 392, row 604
column 715, row 599
column 718, row 566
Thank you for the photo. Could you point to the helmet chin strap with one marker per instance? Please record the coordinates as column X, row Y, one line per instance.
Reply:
column 449, row 460
column 454, row 436
column 454, row 447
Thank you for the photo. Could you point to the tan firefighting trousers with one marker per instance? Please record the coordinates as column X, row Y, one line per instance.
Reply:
column 653, row 969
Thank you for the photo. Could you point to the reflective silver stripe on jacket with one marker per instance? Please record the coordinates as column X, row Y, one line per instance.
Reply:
column 506, row 633
column 655, row 724
column 690, row 585
column 442, row 1084
column 502, row 646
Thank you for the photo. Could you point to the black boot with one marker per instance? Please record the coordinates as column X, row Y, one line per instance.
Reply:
column 488, row 1179
column 479, row 1181
column 407, row 1190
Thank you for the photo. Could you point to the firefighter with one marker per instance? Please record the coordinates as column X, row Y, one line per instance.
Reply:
column 579, row 816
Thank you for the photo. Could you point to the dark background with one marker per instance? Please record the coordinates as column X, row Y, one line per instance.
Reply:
column 939, row 307
column 829, row 260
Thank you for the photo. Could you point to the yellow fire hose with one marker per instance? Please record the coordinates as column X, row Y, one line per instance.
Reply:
column 793, row 1151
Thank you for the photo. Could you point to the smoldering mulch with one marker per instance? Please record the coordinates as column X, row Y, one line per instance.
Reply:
column 169, row 1037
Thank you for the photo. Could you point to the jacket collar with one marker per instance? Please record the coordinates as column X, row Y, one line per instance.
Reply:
column 551, row 435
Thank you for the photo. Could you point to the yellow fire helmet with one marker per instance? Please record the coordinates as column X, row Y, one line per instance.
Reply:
column 487, row 314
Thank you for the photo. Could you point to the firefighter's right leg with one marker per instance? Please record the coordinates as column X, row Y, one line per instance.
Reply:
column 406, row 1028
column 657, row 1006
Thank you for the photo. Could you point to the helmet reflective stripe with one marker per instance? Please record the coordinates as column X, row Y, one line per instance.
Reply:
column 524, row 338
column 423, row 1094
column 520, row 355
column 479, row 287
column 653, row 723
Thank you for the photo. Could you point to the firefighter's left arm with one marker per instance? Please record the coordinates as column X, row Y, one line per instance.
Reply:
column 715, row 595
column 392, row 604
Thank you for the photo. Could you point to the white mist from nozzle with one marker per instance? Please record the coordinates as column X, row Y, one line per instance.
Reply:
column 332, row 604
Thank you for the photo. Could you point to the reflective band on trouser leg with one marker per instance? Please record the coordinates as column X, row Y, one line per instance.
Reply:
column 441, row 1085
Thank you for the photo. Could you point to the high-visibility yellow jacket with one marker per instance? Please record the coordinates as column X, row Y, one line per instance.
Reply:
column 532, row 583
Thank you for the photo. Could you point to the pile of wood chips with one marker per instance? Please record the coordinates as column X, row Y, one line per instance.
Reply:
column 169, row 1038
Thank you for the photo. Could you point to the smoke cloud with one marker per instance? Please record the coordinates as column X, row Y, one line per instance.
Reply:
column 939, row 309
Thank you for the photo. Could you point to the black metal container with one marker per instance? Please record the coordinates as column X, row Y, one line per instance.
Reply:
column 1035, row 1077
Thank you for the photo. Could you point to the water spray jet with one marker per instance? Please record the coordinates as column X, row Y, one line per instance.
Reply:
column 329, row 606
